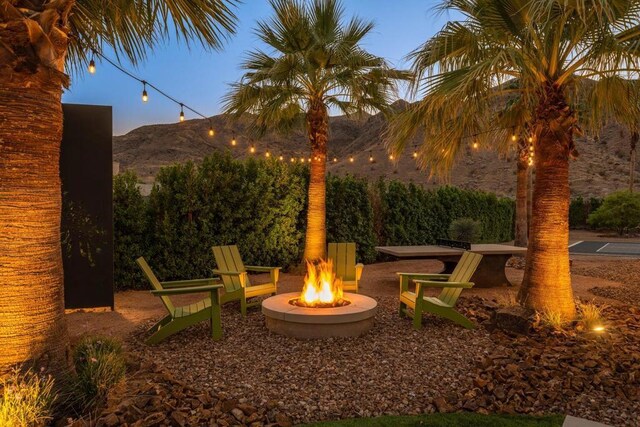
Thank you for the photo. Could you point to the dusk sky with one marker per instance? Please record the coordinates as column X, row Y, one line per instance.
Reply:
column 200, row 78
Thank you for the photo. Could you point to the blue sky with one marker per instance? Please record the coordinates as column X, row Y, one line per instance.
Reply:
column 200, row 78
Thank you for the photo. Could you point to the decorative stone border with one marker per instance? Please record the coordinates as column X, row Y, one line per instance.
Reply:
column 310, row 323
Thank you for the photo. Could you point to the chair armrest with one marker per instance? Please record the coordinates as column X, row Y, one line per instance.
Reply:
column 229, row 273
column 359, row 268
column 193, row 290
column 433, row 276
column 188, row 283
column 261, row 269
column 436, row 284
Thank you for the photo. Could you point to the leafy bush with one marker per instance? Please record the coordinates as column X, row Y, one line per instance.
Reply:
column 26, row 399
column 619, row 211
column 99, row 365
column 129, row 226
column 260, row 205
column 465, row 229
column 579, row 211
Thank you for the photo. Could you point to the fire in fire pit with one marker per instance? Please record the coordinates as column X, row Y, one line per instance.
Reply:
column 321, row 287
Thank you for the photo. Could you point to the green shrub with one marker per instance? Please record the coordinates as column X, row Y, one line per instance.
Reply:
column 579, row 211
column 99, row 364
column 26, row 399
column 465, row 229
column 129, row 231
column 260, row 205
column 619, row 211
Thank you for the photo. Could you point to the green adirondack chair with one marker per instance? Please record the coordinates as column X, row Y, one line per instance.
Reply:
column 180, row 318
column 442, row 305
column 236, row 280
column 343, row 256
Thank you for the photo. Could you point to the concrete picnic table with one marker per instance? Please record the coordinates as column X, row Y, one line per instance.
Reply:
column 490, row 272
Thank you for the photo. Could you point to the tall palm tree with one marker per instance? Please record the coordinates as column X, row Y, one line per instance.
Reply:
column 315, row 62
column 39, row 41
column 551, row 47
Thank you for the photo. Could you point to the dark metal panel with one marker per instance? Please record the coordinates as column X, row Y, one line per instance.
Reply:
column 87, row 198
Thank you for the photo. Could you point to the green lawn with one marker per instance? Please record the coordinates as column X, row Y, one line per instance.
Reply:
column 448, row 420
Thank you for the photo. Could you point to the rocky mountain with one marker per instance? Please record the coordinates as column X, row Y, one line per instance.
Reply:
column 601, row 168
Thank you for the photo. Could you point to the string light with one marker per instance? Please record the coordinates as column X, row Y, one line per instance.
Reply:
column 301, row 159
column 145, row 83
column 281, row 158
column 252, row 149
column 370, row 157
column 351, row 159
column 514, row 137
column 475, row 144
column 233, row 140
column 267, row 154
column 415, row 154
column 530, row 139
column 211, row 132
column 293, row 160
column 309, row 159
column 391, row 157
column 335, row 160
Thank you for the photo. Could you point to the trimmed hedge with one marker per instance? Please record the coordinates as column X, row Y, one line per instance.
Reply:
column 260, row 205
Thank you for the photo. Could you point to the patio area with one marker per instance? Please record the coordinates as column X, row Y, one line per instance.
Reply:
column 253, row 376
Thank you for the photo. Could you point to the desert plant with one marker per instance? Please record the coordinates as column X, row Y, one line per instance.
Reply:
column 551, row 319
column 318, row 62
column 559, row 53
column 590, row 315
column 26, row 399
column 99, row 364
column 620, row 211
column 47, row 39
column 465, row 229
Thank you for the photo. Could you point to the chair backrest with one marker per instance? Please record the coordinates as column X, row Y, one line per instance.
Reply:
column 155, row 283
column 462, row 273
column 344, row 260
column 228, row 259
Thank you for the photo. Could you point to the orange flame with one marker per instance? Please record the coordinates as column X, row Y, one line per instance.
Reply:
column 321, row 287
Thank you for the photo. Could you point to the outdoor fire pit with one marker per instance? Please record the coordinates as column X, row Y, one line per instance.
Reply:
column 321, row 310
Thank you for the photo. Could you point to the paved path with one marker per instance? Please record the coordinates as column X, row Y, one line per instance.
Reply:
column 629, row 249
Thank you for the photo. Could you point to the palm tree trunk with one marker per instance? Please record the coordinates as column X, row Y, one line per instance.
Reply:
column 318, row 130
column 32, row 324
column 632, row 159
column 547, row 281
column 522, row 178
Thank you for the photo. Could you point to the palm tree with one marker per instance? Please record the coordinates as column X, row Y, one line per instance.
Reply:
column 39, row 41
column 552, row 48
column 315, row 63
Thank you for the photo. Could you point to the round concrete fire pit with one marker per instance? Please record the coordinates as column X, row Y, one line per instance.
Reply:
column 350, row 320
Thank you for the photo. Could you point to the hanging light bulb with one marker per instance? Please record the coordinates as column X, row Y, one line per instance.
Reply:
column 475, row 144
column 531, row 148
column 301, row 159
column 351, row 159
column 267, row 154
column 252, row 149
column 514, row 137
column 309, row 159
column 335, row 160
column 391, row 157
column 181, row 113
column 293, row 160
column 415, row 154
column 370, row 157
column 145, row 97
column 530, row 139
column 233, row 140
column 281, row 158
column 211, row 131
column 92, row 66
column 530, row 161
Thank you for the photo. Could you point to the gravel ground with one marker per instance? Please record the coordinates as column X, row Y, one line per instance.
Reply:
column 390, row 370
column 626, row 271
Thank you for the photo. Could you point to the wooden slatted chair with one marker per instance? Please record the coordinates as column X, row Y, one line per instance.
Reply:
column 442, row 305
column 343, row 256
column 236, row 280
column 180, row 318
